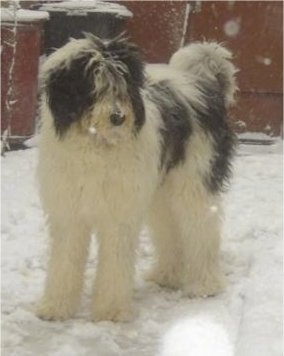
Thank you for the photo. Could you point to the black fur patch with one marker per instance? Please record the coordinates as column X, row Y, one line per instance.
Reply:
column 121, row 50
column 214, row 121
column 177, row 126
column 128, row 54
column 69, row 93
column 137, row 106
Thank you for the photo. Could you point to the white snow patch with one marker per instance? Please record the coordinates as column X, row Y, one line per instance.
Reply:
column 79, row 7
column 214, row 208
column 254, row 135
column 232, row 27
column 197, row 336
column 7, row 15
column 92, row 130
column 264, row 60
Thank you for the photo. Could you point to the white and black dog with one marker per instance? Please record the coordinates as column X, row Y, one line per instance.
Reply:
column 123, row 144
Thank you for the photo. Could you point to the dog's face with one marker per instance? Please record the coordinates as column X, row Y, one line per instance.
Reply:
column 94, row 86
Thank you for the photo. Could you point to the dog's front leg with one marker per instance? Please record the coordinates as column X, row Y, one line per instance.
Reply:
column 115, row 273
column 69, row 248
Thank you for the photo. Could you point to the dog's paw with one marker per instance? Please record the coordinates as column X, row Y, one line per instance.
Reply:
column 116, row 314
column 167, row 279
column 53, row 312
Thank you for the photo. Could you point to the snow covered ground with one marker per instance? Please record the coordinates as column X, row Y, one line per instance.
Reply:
column 246, row 320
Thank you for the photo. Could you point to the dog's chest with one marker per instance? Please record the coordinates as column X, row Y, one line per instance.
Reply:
column 98, row 177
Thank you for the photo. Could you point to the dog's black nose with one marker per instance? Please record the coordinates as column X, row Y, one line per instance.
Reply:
column 117, row 118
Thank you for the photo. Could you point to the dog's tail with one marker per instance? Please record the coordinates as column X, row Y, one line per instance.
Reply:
column 211, row 61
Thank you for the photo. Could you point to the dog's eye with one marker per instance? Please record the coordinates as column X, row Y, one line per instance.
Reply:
column 117, row 118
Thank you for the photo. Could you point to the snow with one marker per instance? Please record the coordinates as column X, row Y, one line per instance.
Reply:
column 85, row 6
column 246, row 320
column 264, row 60
column 232, row 27
column 92, row 130
column 254, row 136
column 188, row 9
column 7, row 15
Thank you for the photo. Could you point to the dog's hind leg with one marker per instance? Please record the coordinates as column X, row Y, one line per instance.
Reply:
column 198, row 215
column 168, row 268
column 69, row 249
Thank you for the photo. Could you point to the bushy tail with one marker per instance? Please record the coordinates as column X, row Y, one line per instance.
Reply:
column 210, row 61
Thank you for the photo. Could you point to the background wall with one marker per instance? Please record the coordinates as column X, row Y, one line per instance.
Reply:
column 253, row 30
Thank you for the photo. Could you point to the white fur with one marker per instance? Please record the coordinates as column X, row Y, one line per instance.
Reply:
column 88, row 188
column 185, row 230
column 208, row 60
column 66, row 54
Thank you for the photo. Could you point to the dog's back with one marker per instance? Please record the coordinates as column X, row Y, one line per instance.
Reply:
column 197, row 87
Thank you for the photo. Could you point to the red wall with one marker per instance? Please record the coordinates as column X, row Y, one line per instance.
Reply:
column 24, row 79
column 157, row 26
column 258, row 51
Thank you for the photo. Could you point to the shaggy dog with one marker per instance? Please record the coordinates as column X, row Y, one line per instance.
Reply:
column 123, row 144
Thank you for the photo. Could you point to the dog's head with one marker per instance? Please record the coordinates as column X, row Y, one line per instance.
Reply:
column 95, row 85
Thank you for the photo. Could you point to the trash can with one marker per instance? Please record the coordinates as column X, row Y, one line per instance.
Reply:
column 20, row 50
column 72, row 18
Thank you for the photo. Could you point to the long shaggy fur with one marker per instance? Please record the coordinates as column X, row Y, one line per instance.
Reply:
column 123, row 144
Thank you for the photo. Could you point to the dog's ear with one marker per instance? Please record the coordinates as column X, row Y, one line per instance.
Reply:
column 70, row 92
